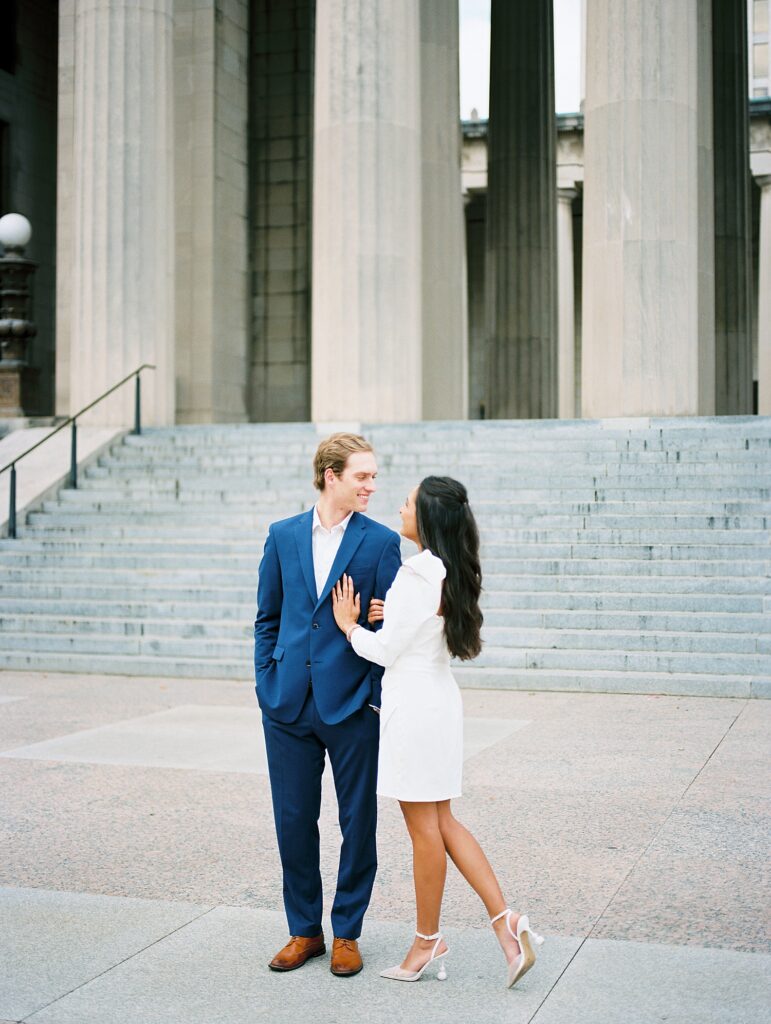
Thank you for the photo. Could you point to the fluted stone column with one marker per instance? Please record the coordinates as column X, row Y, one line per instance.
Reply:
column 445, row 334
column 733, row 254
column 366, row 295
column 475, row 261
column 212, row 276
column 567, row 329
column 764, row 299
column 119, row 242
column 521, row 264
column 648, row 257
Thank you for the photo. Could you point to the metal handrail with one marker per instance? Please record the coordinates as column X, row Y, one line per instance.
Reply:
column 73, row 479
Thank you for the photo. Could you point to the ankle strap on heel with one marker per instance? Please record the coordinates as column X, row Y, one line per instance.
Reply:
column 428, row 938
column 507, row 914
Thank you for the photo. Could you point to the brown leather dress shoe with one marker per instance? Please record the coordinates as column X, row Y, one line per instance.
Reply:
column 346, row 958
column 297, row 951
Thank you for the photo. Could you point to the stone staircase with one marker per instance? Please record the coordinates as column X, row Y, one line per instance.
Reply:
column 628, row 556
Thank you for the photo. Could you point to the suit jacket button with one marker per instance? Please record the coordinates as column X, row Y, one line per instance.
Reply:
column 307, row 664
column 315, row 625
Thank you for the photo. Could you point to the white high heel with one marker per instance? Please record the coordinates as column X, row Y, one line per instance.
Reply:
column 400, row 974
column 527, row 939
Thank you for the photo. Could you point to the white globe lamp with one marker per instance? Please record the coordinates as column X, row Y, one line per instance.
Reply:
column 15, row 232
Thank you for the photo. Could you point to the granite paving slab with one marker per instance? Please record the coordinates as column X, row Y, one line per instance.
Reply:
column 221, row 739
column 641, row 822
column 61, row 703
column 646, row 983
column 203, row 738
column 215, row 970
column 693, row 901
column 201, row 836
column 54, row 942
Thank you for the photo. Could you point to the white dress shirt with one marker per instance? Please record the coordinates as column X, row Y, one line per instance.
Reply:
column 325, row 546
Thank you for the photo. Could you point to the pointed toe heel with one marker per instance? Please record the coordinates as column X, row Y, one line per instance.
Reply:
column 528, row 941
column 399, row 973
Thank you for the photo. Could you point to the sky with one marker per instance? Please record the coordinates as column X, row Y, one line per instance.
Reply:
column 475, row 55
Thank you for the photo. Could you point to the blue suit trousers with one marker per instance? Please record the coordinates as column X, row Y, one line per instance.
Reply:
column 296, row 754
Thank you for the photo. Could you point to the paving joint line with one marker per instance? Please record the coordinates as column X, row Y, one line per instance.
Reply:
column 30, row 1016
column 639, row 858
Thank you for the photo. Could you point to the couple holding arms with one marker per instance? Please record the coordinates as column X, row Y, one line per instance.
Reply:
column 319, row 681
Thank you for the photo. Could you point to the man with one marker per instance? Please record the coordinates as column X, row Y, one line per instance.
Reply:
column 317, row 695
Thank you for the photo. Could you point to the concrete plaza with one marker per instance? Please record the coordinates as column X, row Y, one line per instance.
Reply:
column 139, row 877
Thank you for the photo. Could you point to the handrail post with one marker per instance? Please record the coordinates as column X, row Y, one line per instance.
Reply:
column 12, row 508
column 138, row 405
column 74, row 455
column 72, row 420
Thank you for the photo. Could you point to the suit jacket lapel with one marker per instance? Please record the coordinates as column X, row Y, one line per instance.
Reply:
column 303, row 533
column 353, row 536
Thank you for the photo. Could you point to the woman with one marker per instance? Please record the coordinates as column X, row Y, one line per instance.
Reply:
column 432, row 612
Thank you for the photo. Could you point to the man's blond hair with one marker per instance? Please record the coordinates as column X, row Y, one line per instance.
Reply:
column 333, row 454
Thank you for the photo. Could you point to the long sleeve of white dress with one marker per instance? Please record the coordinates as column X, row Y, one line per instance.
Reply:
column 414, row 597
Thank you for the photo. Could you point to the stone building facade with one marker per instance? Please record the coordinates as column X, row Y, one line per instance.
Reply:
column 264, row 200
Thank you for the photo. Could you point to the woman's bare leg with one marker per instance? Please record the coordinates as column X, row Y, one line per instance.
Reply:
column 470, row 860
column 429, row 867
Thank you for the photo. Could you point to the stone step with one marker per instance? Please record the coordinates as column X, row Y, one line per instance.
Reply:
column 478, row 462
column 474, row 433
column 572, row 680
column 500, row 514
column 200, row 513
column 496, row 544
column 495, row 557
column 240, row 650
column 494, row 541
column 497, row 574
column 494, row 453
column 640, row 527
column 491, row 451
column 182, row 491
column 548, row 608
column 651, row 640
column 502, row 627
column 515, row 633
column 603, row 656
column 471, row 465
column 593, row 681
column 622, row 660
column 118, row 591
column 243, row 491
column 691, row 620
column 631, row 555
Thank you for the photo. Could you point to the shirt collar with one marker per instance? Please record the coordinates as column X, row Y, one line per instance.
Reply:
column 317, row 524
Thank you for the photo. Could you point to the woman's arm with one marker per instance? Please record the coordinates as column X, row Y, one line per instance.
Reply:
column 409, row 603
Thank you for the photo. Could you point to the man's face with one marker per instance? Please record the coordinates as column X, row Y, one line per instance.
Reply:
column 352, row 490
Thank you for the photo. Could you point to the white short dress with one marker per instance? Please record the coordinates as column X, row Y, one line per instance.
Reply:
column 421, row 717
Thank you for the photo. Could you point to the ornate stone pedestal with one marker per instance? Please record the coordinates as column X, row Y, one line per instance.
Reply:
column 18, row 389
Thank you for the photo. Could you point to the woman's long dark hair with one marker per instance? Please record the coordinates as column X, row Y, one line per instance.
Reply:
column 446, row 526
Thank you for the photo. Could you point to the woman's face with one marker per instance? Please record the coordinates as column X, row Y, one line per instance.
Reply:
column 410, row 518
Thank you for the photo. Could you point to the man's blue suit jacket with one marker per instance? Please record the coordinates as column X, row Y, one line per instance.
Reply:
column 296, row 639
